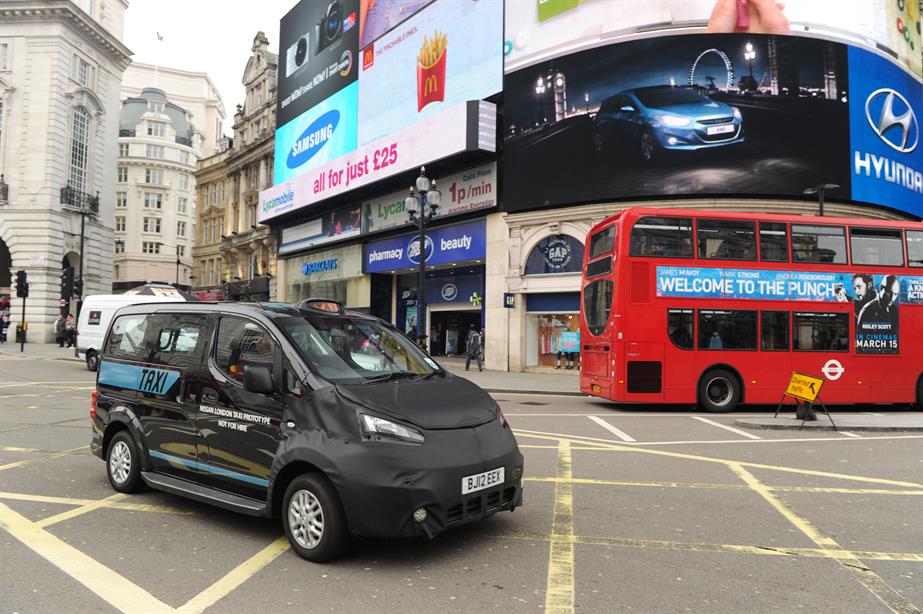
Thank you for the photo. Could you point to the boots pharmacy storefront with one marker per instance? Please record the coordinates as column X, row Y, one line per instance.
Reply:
column 454, row 258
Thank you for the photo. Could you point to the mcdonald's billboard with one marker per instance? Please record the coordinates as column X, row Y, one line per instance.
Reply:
column 447, row 53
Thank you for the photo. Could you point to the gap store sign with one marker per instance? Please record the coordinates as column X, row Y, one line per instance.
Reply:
column 445, row 245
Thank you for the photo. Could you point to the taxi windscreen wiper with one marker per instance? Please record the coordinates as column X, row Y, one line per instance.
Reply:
column 391, row 376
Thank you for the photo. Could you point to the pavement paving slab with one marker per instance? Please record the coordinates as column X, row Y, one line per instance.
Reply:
column 844, row 422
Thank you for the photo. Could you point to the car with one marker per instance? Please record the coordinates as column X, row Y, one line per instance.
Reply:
column 96, row 313
column 647, row 121
column 332, row 420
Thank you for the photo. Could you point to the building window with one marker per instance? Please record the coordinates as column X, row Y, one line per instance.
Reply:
column 1, row 122
column 152, row 200
column 152, row 224
column 122, row 174
column 123, row 150
column 77, row 177
column 183, row 181
column 181, row 204
column 181, row 229
column 4, row 56
column 150, row 247
column 120, row 247
column 155, row 107
column 120, row 223
column 82, row 72
column 181, row 251
column 184, row 157
column 254, row 178
column 153, row 176
column 155, row 152
column 156, row 128
column 221, row 192
column 121, row 200
column 251, row 215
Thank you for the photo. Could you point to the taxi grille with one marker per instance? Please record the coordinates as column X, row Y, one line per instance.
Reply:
column 479, row 504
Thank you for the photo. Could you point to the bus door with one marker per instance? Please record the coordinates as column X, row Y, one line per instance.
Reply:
column 597, row 346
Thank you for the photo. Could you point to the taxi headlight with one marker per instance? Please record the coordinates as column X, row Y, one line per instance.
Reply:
column 381, row 429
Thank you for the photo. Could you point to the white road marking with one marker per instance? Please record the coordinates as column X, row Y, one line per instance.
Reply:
column 726, row 427
column 615, row 431
column 848, row 434
column 737, row 441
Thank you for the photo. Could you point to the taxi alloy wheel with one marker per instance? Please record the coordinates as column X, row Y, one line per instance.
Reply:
column 122, row 463
column 313, row 518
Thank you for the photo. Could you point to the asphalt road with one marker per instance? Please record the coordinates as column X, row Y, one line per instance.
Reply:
column 625, row 510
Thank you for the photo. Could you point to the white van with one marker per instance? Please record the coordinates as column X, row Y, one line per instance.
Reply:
column 97, row 312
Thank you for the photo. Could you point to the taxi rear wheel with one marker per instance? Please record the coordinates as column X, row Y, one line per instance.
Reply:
column 123, row 466
column 313, row 518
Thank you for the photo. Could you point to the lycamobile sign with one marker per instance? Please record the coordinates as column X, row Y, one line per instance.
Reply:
column 278, row 204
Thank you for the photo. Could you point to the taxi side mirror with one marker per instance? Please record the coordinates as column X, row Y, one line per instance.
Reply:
column 258, row 379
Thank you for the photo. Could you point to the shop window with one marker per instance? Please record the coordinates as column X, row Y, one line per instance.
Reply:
column 876, row 246
column 821, row 332
column 726, row 239
column 679, row 327
column 597, row 303
column 775, row 330
column 825, row 244
column 915, row 247
column 773, row 242
column 602, row 242
column 724, row 329
column 663, row 237
column 557, row 340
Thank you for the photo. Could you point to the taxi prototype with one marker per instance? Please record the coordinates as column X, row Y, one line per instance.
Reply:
column 332, row 420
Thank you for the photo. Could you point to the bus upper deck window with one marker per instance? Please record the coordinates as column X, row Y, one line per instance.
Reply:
column 773, row 242
column 826, row 244
column 876, row 246
column 915, row 247
column 726, row 239
column 665, row 237
column 602, row 242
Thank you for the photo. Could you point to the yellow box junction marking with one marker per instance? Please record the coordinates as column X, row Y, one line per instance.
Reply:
column 804, row 387
column 559, row 594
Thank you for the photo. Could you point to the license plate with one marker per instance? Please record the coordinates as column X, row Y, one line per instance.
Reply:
column 480, row 481
column 720, row 129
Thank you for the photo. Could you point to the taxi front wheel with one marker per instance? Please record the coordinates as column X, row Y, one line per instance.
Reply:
column 313, row 518
column 122, row 463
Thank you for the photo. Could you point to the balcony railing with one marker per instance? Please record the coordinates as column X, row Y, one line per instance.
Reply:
column 182, row 140
column 84, row 201
column 4, row 191
column 126, row 132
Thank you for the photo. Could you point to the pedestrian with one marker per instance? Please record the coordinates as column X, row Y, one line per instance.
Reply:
column 59, row 330
column 4, row 323
column 715, row 342
column 70, row 331
column 474, row 343
column 421, row 341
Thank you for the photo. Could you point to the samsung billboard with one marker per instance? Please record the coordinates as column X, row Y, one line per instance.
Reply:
column 713, row 114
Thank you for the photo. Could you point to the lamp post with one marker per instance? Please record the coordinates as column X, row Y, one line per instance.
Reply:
column 423, row 193
column 750, row 55
column 176, row 247
column 540, row 91
column 819, row 189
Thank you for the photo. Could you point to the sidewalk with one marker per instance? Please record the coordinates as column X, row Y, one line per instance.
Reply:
column 48, row 351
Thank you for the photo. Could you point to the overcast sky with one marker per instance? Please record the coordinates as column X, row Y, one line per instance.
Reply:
column 210, row 36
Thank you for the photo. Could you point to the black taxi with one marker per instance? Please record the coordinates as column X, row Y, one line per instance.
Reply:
column 330, row 419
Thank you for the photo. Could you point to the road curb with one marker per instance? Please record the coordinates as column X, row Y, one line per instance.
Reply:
column 555, row 393
column 822, row 424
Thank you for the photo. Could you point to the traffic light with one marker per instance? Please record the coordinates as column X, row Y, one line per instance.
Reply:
column 78, row 287
column 67, row 282
column 22, row 284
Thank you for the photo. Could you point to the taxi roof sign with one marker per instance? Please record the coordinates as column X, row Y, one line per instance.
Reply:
column 319, row 304
column 804, row 387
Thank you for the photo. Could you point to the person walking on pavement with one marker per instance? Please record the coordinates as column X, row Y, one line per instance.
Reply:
column 474, row 343
column 70, row 331
column 59, row 331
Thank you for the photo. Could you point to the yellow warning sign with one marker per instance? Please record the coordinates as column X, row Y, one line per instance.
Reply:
column 804, row 387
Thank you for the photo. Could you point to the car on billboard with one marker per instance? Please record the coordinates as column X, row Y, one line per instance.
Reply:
column 649, row 120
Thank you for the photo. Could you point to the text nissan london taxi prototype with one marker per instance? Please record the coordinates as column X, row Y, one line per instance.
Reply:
column 333, row 420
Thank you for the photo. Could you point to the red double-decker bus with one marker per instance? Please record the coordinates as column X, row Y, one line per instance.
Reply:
column 719, row 308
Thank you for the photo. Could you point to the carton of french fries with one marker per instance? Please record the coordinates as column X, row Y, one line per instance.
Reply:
column 431, row 69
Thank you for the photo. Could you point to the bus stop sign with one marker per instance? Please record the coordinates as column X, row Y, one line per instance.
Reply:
column 804, row 387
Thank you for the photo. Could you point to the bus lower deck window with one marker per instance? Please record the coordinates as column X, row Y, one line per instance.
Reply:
column 725, row 329
column 813, row 332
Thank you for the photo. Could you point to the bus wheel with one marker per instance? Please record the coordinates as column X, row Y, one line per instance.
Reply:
column 719, row 391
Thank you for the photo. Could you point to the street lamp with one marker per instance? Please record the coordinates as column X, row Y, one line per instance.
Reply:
column 540, row 89
column 750, row 55
column 819, row 190
column 177, row 260
column 423, row 193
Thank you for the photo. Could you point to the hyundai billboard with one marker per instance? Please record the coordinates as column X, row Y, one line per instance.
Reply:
column 317, row 136
column 318, row 49
column 447, row 53
column 537, row 30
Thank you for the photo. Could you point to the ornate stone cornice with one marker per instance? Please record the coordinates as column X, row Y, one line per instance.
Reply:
column 66, row 12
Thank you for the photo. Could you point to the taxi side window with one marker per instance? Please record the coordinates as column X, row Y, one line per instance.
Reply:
column 178, row 339
column 241, row 344
column 126, row 338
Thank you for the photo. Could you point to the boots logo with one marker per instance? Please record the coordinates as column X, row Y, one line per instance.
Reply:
column 893, row 120
column 413, row 250
column 449, row 292
column 313, row 139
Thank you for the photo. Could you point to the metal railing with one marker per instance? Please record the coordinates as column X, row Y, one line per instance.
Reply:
column 4, row 190
column 78, row 199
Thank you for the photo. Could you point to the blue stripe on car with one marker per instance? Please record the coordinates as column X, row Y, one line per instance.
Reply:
column 136, row 377
column 209, row 468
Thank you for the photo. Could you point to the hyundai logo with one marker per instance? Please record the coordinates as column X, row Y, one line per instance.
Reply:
column 449, row 292
column 894, row 123
column 413, row 250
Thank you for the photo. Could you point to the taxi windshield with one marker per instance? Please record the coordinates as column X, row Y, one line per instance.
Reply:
column 342, row 349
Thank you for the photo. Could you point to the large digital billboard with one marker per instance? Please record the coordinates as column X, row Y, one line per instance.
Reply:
column 709, row 114
column 317, row 136
column 447, row 53
column 318, row 45
column 379, row 16
column 537, row 30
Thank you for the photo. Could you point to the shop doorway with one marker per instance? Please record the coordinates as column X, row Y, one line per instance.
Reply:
column 449, row 329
